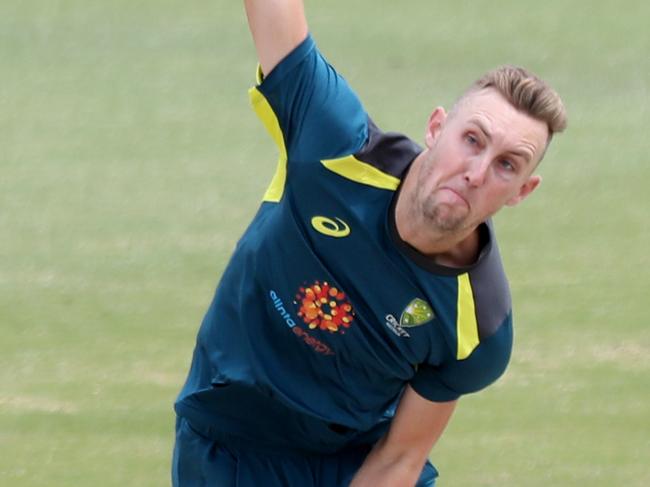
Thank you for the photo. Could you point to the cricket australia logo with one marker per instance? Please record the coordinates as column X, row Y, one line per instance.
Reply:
column 418, row 312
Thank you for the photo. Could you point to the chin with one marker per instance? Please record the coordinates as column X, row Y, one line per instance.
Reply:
column 448, row 223
column 446, row 219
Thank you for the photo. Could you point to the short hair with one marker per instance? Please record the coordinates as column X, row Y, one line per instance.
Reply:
column 527, row 93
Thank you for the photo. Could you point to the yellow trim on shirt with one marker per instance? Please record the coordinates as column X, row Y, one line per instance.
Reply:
column 267, row 116
column 352, row 168
column 466, row 325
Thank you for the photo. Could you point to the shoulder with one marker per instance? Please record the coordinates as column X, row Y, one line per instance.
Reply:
column 317, row 114
column 478, row 328
column 489, row 286
column 381, row 162
column 389, row 152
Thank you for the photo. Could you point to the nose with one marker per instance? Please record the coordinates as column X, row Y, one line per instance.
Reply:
column 476, row 171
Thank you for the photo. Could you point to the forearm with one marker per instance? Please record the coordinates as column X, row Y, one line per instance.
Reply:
column 398, row 458
column 386, row 468
column 277, row 27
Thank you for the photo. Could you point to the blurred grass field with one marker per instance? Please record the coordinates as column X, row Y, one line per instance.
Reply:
column 130, row 162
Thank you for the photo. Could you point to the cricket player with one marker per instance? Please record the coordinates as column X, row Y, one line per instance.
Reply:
column 367, row 295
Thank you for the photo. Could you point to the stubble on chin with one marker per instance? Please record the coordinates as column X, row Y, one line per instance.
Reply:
column 442, row 217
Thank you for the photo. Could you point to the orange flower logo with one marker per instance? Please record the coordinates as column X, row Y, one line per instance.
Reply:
column 324, row 307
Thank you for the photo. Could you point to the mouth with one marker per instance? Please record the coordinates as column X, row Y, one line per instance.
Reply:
column 456, row 195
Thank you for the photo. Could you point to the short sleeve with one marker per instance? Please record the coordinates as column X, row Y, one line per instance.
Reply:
column 450, row 380
column 318, row 114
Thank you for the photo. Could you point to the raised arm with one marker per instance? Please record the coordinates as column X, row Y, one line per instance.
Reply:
column 278, row 26
column 398, row 458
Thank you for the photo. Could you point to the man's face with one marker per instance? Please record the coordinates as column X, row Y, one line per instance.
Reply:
column 479, row 158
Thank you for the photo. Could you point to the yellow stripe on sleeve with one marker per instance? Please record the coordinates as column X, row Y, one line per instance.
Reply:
column 259, row 74
column 466, row 325
column 270, row 121
column 352, row 168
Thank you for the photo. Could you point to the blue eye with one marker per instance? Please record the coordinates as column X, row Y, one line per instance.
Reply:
column 507, row 165
column 471, row 139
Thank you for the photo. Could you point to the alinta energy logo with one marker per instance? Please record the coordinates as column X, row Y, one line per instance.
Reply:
column 324, row 307
column 321, row 307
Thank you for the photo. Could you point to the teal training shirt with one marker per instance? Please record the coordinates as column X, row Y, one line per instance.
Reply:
column 323, row 314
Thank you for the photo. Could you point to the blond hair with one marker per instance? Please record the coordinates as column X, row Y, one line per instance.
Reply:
column 527, row 93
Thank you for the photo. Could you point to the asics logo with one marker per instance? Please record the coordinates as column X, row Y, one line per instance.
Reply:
column 332, row 228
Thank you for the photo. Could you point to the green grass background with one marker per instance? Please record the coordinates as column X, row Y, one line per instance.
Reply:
column 130, row 163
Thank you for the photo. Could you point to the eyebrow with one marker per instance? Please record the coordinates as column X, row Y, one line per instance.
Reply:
column 524, row 155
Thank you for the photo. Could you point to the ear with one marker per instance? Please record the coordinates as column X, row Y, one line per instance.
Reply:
column 527, row 188
column 436, row 121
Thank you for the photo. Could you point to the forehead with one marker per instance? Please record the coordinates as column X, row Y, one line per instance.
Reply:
column 489, row 110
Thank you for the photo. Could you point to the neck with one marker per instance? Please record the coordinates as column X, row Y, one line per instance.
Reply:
column 454, row 248
column 461, row 254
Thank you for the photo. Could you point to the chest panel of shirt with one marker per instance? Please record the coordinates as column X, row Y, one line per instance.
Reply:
column 367, row 362
column 480, row 291
column 359, row 262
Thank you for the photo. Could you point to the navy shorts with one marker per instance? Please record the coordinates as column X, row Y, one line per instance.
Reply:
column 204, row 462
